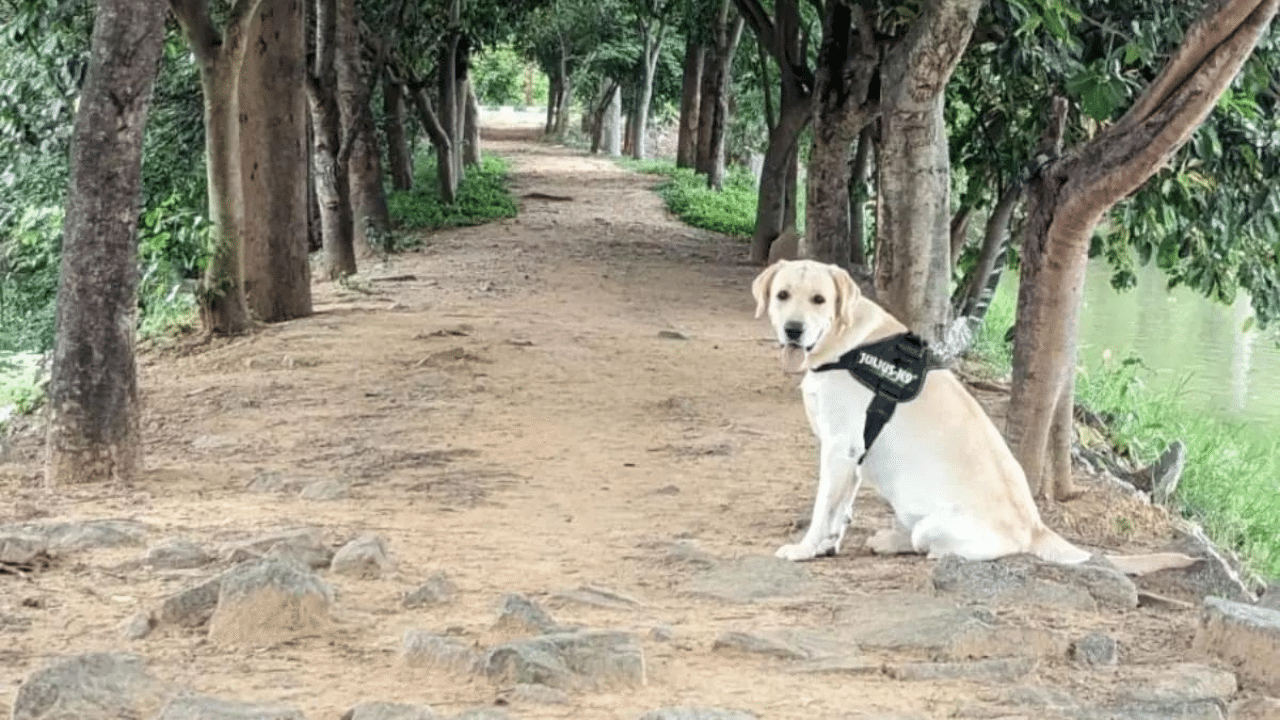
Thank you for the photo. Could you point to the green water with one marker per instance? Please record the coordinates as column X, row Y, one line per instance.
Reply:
column 1196, row 347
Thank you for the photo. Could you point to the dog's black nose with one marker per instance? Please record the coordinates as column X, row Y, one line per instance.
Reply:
column 793, row 330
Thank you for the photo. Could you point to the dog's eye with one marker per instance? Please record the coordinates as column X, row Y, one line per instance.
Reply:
column 818, row 299
column 783, row 294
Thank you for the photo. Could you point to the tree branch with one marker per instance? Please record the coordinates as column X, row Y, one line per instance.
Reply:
column 202, row 36
column 762, row 25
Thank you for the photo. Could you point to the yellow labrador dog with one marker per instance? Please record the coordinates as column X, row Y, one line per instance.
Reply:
column 954, row 485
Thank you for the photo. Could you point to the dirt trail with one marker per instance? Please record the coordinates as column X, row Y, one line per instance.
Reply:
column 575, row 397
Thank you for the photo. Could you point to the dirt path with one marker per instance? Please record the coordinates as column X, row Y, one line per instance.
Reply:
column 575, row 397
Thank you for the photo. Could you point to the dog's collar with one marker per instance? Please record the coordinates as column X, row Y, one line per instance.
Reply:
column 893, row 368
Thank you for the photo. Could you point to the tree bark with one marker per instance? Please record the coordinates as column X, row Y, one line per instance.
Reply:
column 651, row 51
column 94, row 428
column 398, row 155
column 331, row 151
column 858, row 196
column 713, row 116
column 1068, row 198
column 223, row 308
column 370, row 217
column 913, row 247
column 447, row 104
column 273, row 161
column 471, row 129
column 690, row 104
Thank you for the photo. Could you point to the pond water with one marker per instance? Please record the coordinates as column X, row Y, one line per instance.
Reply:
column 1189, row 342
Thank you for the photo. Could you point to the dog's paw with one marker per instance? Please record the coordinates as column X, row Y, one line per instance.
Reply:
column 796, row 553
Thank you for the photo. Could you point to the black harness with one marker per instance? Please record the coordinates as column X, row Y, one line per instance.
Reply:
column 893, row 369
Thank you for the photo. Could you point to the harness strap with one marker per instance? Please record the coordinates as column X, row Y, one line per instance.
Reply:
column 894, row 369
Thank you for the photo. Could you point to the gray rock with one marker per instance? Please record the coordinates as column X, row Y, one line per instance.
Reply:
column 389, row 711
column 482, row 714
column 1247, row 637
column 590, row 659
column 697, row 713
column 200, row 707
column 750, row 578
column 518, row 615
column 436, row 590
column 662, row 633
column 1096, row 649
column 1271, row 598
column 138, row 626
column 993, row 670
column 365, row 557
column 191, row 607
column 268, row 602
column 82, row 535
column 100, row 686
column 687, row 552
column 324, row 490
column 1204, row 710
column 305, row 545
column 1172, row 685
column 534, row 695
column 272, row 482
column 598, row 597
column 1214, row 575
column 786, row 644
column 177, row 555
column 21, row 548
column 424, row 649
column 1027, row 580
column 1254, row 708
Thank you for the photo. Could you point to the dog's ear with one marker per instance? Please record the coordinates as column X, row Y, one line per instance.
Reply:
column 847, row 294
column 760, row 286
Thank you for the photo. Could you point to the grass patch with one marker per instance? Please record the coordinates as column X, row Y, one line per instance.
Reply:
column 732, row 211
column 483, row 196
column 1231, row 482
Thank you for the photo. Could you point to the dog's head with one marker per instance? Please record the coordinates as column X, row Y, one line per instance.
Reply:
column 805, row 300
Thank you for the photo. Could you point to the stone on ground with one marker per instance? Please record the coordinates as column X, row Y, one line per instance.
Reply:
column 324, row 490
column 519, row 616
column 585, row 659
column 304, row 544
column 269, row 602
column 200, row 707
column 750, row 578
column 696, row 713
column 424, row 649
column 992, row 670
column 1245, row 636
column 389, row 711
column 177, row 555
column 99, row 686
column 68, row 536
column 365, row 557
column 1254, row 708
column 1096, row 649
column 191, row 607
column 18, row 548
column 786, row 643
column 534, row 695
column 138, row 625
column 1027, row 580
column 435, row 590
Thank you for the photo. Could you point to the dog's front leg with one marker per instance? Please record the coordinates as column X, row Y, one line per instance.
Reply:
column 838, row 481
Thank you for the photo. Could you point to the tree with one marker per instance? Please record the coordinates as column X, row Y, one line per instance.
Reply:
column 1069, row 196
column 713, row 113
column 94, row 413
column 364, row 163
column 273, row 161
column 651, row 21
column 331, row 149
column 220, row 56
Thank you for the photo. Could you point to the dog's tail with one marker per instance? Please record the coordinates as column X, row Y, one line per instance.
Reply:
column 1049, row 545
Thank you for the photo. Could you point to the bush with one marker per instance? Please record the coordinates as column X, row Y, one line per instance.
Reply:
column 29, row 279
column 732, row 211
column 483, row 196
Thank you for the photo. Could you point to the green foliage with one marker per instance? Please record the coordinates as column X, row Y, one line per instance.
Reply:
column 29, row 279
column 483, row 196
column 21, row 383
column 1228, row 483
column 732, row 212
column 501, row 77
column 989, row 346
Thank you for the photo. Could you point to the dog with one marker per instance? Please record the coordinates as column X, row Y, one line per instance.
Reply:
column 939, row 461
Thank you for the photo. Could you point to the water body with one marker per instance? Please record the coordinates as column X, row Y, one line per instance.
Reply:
column 1190, row 343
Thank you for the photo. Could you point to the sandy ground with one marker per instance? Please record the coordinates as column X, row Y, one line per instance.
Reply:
column 510, row 405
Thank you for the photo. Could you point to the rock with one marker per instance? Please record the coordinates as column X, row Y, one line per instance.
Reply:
column 1096, row 649
column 306, row 545
column 1271, row 598
column 482, row 714
column 82, row 535
column 389, row 711
column 1173, row 685
column 138, row 626
column 750, row 578
column 662, row 633
column 993, row 670
column 1204, row 710
column 1160, row 602
column 424, row 649
column 1027, row 580
column 787, row 644
column 534, row 695
column 272, row 482
column 598, row 597
column 937, row 627
column 589, row 659
column 200, row 707
column 1254, row 708
column 1245, row 636
column 268, row 602
column 191, row 607
column 365, row 557
column 697, row 713
column 437, row 589
column 99, row 686
column 177, row 555
column 21, row 549
column 672, row 335
column 1215, row 575
column 324, row 490
column 687, row 552
column 518, row 615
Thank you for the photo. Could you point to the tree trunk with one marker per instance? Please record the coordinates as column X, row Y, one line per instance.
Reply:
column 370, row 219
column 858, row 196
column 713, row 116
column 331, row 151
column 471, row 129
column 439, row 140
column 652, row 50
column 450, row 166
column 555, row 87
column 690, row 103
column 1068, row 198
column 612, row 123
column 94, row 428
column 398, row 155
column 566, row 100
column 959, row 235
column 913, row 248
column 273, row 160
column 223, row 308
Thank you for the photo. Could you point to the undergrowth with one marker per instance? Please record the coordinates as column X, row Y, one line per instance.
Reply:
column 483, row 196
column 1229, row 483
column 731, row 211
